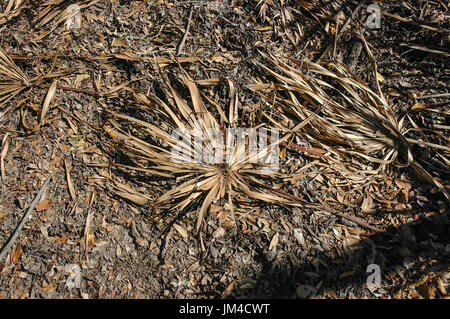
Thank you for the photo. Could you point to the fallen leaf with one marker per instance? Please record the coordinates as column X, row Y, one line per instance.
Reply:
column 80, row 78
column 48, row 99
column 267, row 28
column 418, row 106
column 299, row 236
column 441, row 286
column 367, row 205
column 69, row 181
column 346, row 274
column 405, row 186
column 167, row 266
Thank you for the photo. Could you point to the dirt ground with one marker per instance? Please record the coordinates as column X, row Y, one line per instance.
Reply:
column 120, row 249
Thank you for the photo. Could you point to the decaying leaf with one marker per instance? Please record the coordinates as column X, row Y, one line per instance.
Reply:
column 209, row 182
column 306, row 291
column 183, row 232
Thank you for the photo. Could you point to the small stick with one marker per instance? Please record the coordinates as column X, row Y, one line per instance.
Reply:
column 19, row 227
column 397, row 17
column 183, row 40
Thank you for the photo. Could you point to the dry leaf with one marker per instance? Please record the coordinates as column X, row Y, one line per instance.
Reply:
column 90, row 241
column 367, row 205
column 346, row 274
column 298, row 234
column 219, row 232
column 441, row 286
column 229, row 289
column 405, row 186
column 15, row 257
column 418, row 106
column 305, row 291
column 80, row 78
column 380, row 78
column 69, row 181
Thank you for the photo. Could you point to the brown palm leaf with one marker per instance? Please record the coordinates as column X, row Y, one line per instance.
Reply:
column 12, row 79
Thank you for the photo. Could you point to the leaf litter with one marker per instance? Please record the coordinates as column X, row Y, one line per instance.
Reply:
column 363, row 170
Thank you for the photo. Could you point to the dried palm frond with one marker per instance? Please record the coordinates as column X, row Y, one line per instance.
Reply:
column 359, row 122
column 12, row 79
column 195, row 180
column 353, row 123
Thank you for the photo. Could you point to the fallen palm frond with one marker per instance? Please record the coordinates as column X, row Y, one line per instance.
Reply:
column 353, row 124
column 193, row 180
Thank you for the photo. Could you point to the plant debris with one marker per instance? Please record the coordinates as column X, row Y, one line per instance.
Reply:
column 92, row 94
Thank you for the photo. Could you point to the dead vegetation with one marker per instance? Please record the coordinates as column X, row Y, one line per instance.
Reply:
column 348, row 151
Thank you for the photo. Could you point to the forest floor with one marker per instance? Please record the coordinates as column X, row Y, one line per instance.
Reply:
column 83, row 240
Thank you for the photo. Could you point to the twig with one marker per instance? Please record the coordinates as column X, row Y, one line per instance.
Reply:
column 183, row 40
column 357, row 221
column 5, row 146
column 77, row 90
column 19, row 227
column 432, row 96
column 354, row 12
